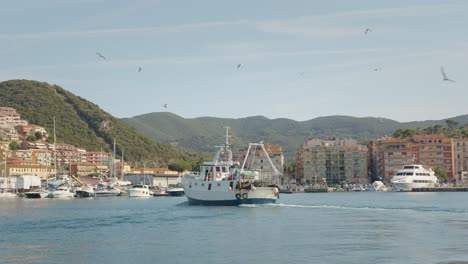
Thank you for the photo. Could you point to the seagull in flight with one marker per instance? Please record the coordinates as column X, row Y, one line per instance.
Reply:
column 367, row 30
column 239, row 65
column 445, row 75
column 139, row 69
column 377, row 69
column 165, row 105
column 101, row 56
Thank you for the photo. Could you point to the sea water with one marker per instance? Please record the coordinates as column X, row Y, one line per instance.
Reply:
column 350, row 227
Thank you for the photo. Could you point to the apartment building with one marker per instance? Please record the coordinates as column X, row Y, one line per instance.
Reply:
column 335, row 160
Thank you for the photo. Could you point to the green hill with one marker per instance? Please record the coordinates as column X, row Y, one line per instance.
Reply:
column 204, row 133
column 82, row 123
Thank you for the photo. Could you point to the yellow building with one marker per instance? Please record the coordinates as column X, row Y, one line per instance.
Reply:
column 335, row 160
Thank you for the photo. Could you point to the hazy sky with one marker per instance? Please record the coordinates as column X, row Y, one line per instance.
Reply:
column 300, row 59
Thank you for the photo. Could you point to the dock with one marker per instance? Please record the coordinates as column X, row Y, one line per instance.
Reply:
column 441, row 189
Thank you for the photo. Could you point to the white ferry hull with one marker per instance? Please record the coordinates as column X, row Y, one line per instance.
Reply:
column 408, row 186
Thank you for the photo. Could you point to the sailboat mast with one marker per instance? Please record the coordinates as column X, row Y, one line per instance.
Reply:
column 122, row 166
column 113, row 161
column 55, row 151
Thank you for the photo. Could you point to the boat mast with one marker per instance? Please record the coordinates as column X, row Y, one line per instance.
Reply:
column 55, row 152
column 113, row 162
column 226, row 146
column 122, row 166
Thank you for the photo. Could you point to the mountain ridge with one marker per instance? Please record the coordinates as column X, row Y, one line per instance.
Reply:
column 192, row 133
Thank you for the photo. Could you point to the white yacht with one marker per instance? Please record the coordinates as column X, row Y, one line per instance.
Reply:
column 62, row 192
column 139, row 190
column 413, row 176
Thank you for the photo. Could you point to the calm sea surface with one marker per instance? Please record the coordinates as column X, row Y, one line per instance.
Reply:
column 302, row 228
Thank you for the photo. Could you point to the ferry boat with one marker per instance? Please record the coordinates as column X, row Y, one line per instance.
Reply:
column 413, row 176
column 223, row 182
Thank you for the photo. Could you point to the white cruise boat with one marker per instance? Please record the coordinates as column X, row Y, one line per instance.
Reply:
column 413, row 176
column 223, row 183
column 139, row 190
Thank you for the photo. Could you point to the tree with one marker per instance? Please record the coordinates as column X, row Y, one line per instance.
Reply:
column 38, row 135
column 451, row 123
column 441, row 174
column 31, row 138
column 14, row 145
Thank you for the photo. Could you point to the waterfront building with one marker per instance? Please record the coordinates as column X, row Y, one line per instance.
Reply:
column 335, row 160
column 159, row 180
column 87, row 169
column 18, row 168
column 67, row 154
column 98, row 157
column 461, row 155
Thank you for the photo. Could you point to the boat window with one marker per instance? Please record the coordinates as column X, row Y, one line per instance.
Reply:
column 218, row 169
column 409, row 174
column 400, row 173
column 209, row 186
column 224, row 169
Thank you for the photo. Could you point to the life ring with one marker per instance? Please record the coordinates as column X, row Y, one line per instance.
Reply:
column 244, row 196
column 218, row 175
column 238, row 196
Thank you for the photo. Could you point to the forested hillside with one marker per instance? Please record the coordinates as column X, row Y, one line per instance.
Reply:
column 82, row 123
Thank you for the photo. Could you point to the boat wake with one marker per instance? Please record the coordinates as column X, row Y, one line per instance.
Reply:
column 345, row 207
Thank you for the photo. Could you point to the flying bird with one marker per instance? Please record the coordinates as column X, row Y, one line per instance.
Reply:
column 445, row 78
column 239, row 65
column 377, row 69
column 165, row 105
column 101, row 56
column 139, row 69
column 367, row 30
